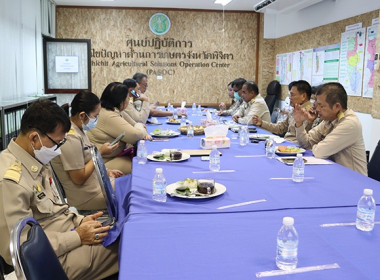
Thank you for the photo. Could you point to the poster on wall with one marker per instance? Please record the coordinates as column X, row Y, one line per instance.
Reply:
column 352, row 61
column 302, row 65
column 66, row 64
column 284, row 68
column 369, row 61
column 325, row 64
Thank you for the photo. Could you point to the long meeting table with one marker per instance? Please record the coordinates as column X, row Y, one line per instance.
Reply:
column 204, row 239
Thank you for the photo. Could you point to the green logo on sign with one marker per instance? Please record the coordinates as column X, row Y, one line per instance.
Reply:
column 159, row 24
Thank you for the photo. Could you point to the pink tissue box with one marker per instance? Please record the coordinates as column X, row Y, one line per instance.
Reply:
column 219, row 141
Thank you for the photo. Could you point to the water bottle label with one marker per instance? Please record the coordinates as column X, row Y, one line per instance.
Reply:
column 298, row 171
column 366, row 215
column 287, row 251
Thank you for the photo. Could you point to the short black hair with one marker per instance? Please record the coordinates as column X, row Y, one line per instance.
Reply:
column 113, row 96
column 130, row 83
column 303, row 87
column 335, row 93
column 139, row 76
column 84, row 101
column 252, row 86
column 291, row 84
column 239, row 82
column 44, row 116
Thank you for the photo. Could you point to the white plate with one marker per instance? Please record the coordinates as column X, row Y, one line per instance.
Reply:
column 220, row 189
column 184, row 157
column 260, row 136
column 179, row 122
column 289, row 153
column 173, row 134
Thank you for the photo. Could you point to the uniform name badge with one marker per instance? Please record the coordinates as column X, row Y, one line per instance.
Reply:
column 38, row 191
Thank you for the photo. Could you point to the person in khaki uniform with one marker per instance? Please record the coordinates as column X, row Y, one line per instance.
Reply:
column 27, row 189
column 111, row 124
column 254, row 104
column 139, row 106
column 74, row 167
column 300, row 93
column 339, row 135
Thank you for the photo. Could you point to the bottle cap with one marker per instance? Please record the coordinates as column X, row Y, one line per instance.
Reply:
column 368, row 192
column 142, row 141
column 299, row 155
column 214, row 147
column 288, row 221
column 158, row 170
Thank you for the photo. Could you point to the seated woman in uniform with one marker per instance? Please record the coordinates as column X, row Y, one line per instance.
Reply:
column 111, row 124
column 74, row 167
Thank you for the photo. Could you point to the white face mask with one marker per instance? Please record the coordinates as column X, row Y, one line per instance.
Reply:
column 45, row 155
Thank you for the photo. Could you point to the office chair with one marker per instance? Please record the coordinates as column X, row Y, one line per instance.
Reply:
column 4, row 268
column 374, row 164
column 273, row 92
column 35, row 259
column 60, row 189
column 105, row 184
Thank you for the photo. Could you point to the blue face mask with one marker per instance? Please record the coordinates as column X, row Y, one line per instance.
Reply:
column 236, row 95
column 91, row 123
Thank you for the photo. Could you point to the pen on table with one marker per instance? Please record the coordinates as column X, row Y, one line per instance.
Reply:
column 220, row 171
column 305, row 178
column 241, row 204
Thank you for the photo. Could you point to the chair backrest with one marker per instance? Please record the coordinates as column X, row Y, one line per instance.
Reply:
column 374, row 164
column 60, row 189
column 35, row 259
column 105, row 183
column 4, row 268
column 273, row 92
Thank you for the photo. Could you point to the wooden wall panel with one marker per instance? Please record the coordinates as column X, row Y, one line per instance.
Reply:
column 110, row 30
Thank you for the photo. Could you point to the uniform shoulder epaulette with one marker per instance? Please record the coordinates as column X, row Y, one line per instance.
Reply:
column 71, row 131
column 13, row 172
column 307, row 107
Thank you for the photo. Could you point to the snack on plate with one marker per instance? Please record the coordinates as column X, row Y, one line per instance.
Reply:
column 172, row 120
column 166, row 132
column 206, row 186
column 198, row 129
column 288, row 149
column 175, row 155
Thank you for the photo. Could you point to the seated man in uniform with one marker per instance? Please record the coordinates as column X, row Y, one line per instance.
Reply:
column 27, row 189
column 339, row 135
column 254, row 104
column 299, row 94
column 237, row 86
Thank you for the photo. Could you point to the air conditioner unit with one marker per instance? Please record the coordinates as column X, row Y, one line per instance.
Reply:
column 263, row 4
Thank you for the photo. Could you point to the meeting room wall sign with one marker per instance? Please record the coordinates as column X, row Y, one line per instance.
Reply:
column 191, row 55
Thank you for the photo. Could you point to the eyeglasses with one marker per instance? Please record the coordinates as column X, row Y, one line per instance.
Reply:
column 57, row 144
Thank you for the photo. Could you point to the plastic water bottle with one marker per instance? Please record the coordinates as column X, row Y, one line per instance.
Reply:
column 214, row 164
column 243, row 136
column 194, row 109
column 298, row 169
column 270, row 148
column 190, row 130
column 183, row 121
column 365, row 216
column 199, row 111
column 287, row 245
column 142, row 153
column 159, row 185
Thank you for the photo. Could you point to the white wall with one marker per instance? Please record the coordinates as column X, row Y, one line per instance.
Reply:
column 325, row 12
column 21, row 69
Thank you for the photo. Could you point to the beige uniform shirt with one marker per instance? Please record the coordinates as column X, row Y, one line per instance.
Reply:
column 288, row 125
column 233, row 108
column 110, row 125
column 75, row 153
column 140, row 112
column 257, row 106
column 340, row 140
column 27, row 189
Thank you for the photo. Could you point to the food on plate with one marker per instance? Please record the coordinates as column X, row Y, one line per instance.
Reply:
column 187, row 186
column 163, row 132
column 175, row 155
column 172, row 120
column 198, row 129
column 206, row 186
column 288, row 149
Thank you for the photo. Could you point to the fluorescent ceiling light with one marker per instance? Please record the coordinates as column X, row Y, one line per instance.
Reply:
column 222, row 2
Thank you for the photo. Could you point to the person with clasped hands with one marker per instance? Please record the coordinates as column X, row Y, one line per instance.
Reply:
column 27, row 190
column 299, row 94
column 74, row 166
column 339, row 135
